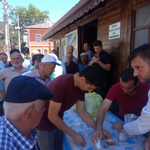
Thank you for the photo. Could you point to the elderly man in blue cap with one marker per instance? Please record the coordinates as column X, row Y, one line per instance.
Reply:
column 23, row 108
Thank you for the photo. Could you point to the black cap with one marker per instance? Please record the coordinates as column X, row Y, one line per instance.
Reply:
column 14, row 50
column 23, row 89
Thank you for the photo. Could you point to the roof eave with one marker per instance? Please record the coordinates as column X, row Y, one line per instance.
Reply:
column 57, row 27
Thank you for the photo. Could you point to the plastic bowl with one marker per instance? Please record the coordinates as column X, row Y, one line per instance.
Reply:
column 110, row 143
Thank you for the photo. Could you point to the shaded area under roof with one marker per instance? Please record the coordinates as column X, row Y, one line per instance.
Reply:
column 80, row 10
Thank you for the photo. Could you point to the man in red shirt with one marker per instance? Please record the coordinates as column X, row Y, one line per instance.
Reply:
column 68, row 90
column 129, row 93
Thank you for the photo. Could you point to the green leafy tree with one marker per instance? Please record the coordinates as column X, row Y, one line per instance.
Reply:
column 27, row 17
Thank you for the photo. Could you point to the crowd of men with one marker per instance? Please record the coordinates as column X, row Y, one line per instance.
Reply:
column 38, row 96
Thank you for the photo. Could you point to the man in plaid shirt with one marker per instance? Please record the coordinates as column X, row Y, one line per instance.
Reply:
column 23, row 108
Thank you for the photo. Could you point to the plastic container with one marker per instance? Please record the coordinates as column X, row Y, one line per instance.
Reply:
column 129, row 118
column 110, row 143
column 122, row 136
column 100, row 145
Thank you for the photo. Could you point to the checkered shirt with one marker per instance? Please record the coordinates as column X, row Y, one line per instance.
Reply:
column 12, row 139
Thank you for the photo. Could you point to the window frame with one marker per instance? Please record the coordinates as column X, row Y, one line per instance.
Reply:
column 134, row 29
column 36, row 37
column 45, row 49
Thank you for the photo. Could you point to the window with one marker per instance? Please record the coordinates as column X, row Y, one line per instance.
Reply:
column 141, row 30
column 45, row 51
column 38, row 37
column 45, row 40
column 39, row 51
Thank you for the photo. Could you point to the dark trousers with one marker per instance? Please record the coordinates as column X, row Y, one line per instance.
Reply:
column 50, row 140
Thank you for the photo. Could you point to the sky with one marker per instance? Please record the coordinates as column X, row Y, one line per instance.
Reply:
column 56, row 8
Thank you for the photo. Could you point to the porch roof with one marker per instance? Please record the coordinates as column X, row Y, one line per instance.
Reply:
column 80, row 10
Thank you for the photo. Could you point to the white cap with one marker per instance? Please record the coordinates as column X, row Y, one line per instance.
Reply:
column 49, row 58
column 54, row 56
column 83, row 54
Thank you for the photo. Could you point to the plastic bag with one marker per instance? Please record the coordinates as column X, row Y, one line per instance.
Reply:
column 93, row 102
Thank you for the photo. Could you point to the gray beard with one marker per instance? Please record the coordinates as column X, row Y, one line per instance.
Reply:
column 17, row 66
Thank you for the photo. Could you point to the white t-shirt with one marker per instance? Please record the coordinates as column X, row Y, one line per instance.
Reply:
column 142, row 124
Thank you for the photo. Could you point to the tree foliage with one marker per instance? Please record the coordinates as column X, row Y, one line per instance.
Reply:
column 27, row 17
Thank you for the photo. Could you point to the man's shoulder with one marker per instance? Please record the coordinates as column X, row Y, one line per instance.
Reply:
column 105, row 53
column 7, row 69
column 80, row 64
column 75, row 58
column 63, row 57
column 5, row 139
column 8, row 65
column 62, row 79
column 27, row 72
column 74, row 64
column 90, row 52
column 32, row 73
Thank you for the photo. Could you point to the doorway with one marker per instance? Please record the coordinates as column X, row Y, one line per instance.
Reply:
column 87, row 33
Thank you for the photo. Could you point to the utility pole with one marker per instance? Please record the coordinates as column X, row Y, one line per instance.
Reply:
column 18, row 28
column 6, row 6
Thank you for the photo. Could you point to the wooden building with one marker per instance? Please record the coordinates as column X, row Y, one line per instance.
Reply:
column 121, row 25
column 33, row 39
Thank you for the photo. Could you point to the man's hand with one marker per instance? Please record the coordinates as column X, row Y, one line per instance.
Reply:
column 96, row 60
column 2, row 94
column 146, row 143
column 106, row 135
column 79, row 139
column 100, row 133
column 118, row 125
column 91, row 62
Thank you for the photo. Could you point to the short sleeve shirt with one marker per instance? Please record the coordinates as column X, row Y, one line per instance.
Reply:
column 106, row 59
column 8, row 73
column 64, row 92
column 127, row 104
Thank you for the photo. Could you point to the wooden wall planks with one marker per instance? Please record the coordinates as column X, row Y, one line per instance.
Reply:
column 113, row 12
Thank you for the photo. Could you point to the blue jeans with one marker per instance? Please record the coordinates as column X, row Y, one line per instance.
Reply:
column 50, row 140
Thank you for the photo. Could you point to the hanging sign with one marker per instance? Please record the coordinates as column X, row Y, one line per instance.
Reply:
column 114, row 31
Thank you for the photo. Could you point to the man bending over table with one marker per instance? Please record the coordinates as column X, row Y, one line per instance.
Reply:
column 68, row 90
column 140, row 62
column 129, row 93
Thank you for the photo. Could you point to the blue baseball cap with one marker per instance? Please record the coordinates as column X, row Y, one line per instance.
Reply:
column 23, row 89
column 49, row 58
